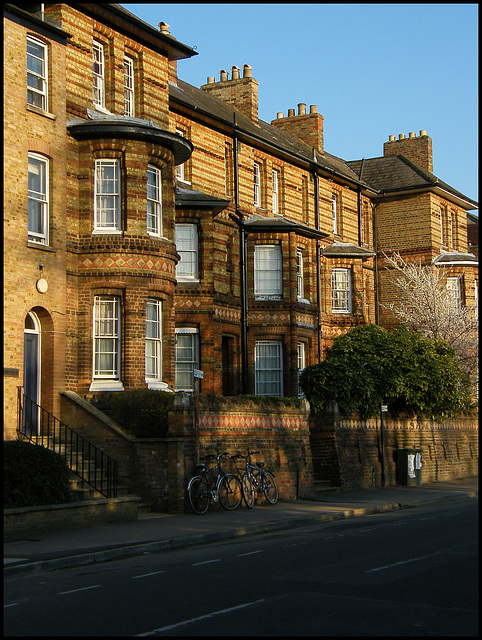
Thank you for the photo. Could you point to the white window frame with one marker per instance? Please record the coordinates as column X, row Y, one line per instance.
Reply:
column 154, row 201
column 268, row 272
column 153, row 345
column 106, row 333
column 300, row 277
column 334, row 213
column 341, row 291
column 38, row 199
column 98, row 74
column 187, row 269
column 180, row 172
column 268, row 368
column 257, row 184
column 275, row 192
column 454, row 291
column 37, row 73
column 301, row 365
column 187, row 358
column 129, row 105
column 107, row 219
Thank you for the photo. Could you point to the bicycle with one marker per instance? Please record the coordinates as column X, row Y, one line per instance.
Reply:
column 255, row 480
column 225, row 488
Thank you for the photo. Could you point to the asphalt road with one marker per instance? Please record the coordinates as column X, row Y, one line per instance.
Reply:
column 413, row 572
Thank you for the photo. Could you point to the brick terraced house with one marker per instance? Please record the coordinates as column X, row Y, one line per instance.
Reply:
column 152, row 228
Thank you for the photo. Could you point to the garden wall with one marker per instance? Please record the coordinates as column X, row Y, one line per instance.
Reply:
column 347, row 451
column 158, row 469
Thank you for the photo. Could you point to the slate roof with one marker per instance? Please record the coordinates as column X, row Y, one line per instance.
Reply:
column 397, row 173
column 346, row 250
column 455, row 258
column 205, row 103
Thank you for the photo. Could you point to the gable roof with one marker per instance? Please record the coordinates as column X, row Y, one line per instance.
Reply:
column 394, row 174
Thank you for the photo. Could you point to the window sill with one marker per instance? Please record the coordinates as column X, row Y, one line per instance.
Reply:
column 42, row 247
column 303, row 301
column 106, row 385
column 41, row 112
column 107, row 232
column 158, row 386
column 345, row 313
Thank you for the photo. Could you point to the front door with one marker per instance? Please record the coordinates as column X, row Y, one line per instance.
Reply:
column 31, row 373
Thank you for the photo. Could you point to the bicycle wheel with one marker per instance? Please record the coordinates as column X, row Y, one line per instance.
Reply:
column 230, row 492
column 248, row 490
column 198, row 496
column 269, row 487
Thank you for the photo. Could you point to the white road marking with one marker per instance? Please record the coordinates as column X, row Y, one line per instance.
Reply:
column 397, row 564
column 205, row 617
column 197, row 564
column 146, row 575
column 94, row 586
column 241, row 555
column 14, row 604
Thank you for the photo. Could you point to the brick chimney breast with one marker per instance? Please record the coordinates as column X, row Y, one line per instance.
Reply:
column 241, row 93
column 417, row 149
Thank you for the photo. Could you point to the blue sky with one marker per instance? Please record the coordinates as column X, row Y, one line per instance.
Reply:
column 372, row 70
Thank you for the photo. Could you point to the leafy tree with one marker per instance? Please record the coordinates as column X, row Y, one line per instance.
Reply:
column 424, row 304
column 370, row 366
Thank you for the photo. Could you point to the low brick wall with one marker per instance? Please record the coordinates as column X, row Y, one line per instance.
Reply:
column 234, row 424
column 347, row 451
column 28, row 521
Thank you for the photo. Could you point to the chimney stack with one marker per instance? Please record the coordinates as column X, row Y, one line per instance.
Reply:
column 417, row 149
column 308, row 127
column 241, row 93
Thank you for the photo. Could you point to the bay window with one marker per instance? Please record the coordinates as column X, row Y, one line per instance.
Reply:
column 107, row 197
column 268, row 368
column 187, row 358
column 154, row 201
column 341, row 291
column 268, row 281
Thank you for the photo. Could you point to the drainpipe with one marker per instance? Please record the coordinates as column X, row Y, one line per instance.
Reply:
column 318, row 260
column 238, row 218
column 375, row 247
column 359, row 206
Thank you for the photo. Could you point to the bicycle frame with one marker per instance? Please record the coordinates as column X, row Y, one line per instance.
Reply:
column 202, row 490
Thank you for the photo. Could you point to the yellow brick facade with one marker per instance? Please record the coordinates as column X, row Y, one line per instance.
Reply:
column 135, row 267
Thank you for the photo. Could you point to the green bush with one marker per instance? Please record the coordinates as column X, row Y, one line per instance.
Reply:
column 141, row 412
column 370, row 366
column 33, row 476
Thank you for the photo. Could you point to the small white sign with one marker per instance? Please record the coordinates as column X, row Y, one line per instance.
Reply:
column 198, row 374
column 384, row 407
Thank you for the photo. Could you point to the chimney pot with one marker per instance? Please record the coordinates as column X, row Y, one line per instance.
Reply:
column 401, row 136
column 291, row 112
column 411, row 134
column 301, row 108
column 235, row 72
column 210, row 79
column 423, row 132
column 164, row 27
column 223, row 75
column 280, row 115
column 313, row 108
column 246, row 71
column 391, row 138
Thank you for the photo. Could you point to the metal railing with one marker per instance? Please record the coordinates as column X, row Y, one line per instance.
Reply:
column 84, row 459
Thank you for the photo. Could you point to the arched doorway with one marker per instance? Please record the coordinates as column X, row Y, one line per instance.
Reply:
column 31, row 372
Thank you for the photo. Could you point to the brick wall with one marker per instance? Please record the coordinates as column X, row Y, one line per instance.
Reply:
column 347, row 451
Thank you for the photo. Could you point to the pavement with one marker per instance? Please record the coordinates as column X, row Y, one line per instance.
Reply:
column 154, row 532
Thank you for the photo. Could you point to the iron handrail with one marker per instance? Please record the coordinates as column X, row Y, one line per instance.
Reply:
column 92, row 465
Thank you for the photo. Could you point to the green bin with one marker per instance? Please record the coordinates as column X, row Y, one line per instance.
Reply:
column 409, row 467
